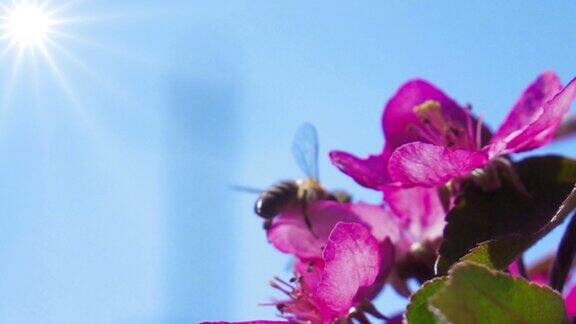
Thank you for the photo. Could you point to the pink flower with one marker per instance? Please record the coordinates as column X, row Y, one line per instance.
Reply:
column 412, row 219
column 419, row 212
column 570, row 301
column 340, row 283
column 409, row 216
column 431, row 139
column 351, row 271
column 421, row 217
column 290, row 234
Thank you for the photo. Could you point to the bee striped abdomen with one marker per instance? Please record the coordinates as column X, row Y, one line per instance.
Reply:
column 276, row 199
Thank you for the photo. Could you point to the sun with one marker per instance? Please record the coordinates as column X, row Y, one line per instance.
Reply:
column 34, row 40
column 27, row 25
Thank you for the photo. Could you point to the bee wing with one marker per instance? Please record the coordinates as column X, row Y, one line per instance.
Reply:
column 305, row 149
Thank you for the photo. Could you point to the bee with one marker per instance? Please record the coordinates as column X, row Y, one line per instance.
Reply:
column 298, row 193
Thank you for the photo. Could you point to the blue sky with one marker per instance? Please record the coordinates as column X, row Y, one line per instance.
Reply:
column 116, row 165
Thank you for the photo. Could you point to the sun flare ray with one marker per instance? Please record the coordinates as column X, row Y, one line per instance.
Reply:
column 33, row 39
column 29, row 29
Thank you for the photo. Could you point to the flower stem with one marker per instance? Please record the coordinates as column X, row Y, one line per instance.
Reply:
column 564, row 257
column 567, row 128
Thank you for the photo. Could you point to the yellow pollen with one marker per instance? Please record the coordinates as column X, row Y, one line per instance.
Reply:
column 430, row 112
column 437, row 128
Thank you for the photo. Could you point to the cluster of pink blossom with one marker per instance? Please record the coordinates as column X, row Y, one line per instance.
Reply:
column 433, row 145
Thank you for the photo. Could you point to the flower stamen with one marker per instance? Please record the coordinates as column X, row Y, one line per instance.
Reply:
column 439, row 130
column 274, row 284
column 299, row 307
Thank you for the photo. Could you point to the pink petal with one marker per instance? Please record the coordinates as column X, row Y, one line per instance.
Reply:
column 353, row 261
column 371, row 172
column 382, row 222
column 388, row 250
column 420, row 210
column 398, row 116
column 514, row 269
column 527, row 107
column 290, row 234
column 570, row 301
column 399, row 111
column 538, row 272
column 539, row 278
column 536, row 116
column 421, row 164
column 310, row 272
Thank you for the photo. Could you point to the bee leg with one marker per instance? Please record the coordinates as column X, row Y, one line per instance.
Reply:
column 307, row 221
column 305, row 214
column 267, row 224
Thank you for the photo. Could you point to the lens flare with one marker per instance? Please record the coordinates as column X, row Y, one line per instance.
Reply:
column 30, row 31
column 26, row 24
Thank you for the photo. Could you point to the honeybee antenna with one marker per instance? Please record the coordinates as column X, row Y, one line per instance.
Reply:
column 245, row 189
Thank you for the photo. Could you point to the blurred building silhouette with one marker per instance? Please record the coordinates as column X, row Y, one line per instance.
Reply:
column 200, row 140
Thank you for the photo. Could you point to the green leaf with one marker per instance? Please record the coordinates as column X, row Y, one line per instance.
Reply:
column 476, row 294
column 500, row 252
column 417, row 310
column 483, row 216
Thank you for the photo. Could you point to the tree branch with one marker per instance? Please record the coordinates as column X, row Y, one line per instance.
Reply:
column 564, row 257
